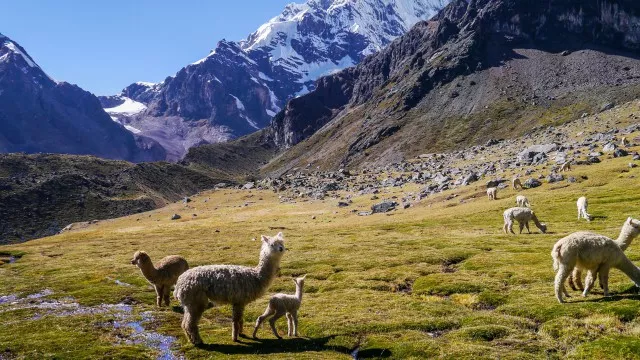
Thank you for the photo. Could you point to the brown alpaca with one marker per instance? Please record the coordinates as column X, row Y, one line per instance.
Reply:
column 162, row 276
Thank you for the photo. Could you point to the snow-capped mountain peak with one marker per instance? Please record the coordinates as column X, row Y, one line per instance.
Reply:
column 10, row 51
column 240, row 86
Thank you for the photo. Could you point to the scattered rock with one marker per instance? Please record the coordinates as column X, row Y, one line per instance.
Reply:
column 176, row 217
column 554, row 177
column 383, row 207
column 610, row 147
column 620, row 153
column 248, row 186
column 531, row 183
column 186, row 200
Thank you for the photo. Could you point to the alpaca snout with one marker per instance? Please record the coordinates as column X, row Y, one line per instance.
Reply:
column 133, row 262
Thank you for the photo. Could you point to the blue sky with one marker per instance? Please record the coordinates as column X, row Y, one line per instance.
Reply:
column 104, row 46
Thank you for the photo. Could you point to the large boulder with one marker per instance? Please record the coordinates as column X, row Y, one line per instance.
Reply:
column 383, row 207
column 531, row 183
column 529, row 153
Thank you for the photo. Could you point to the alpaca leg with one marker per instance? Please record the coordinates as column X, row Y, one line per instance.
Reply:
column 295, row 323
column 603, row 274
column 262, row 318
column 588, row 283
column 289, row 325
column 578, row 278
column 572, row 278
column 192, row 314
column 527, row 226
column 561, row 276
column 236, row 329
column 272, row 322
column 521, row 225
column 511, row 227
column 167, row 295
column 159, row 294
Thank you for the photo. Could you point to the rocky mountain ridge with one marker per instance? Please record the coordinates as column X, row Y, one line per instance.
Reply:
column 39, row 114
column 240, row 86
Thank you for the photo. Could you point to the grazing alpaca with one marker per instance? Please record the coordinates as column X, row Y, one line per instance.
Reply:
column 227, row 284
column 516, row 183
column 492, row 193
column 522, row 215
column 566, row 166
column 629, row 231
column 595, row 253
column 522, row 201
column 624, row 142
column 163, row 276
column 281, row 304
column 582, row 209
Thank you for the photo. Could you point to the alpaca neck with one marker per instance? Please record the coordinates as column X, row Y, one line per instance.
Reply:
column 629, row 268
column 299, row 292
column 267, row 268
column 148, row 270
column 535, row 221
column 625, row 238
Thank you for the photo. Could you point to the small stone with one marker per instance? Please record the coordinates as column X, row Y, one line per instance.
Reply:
column 531, row 183
column 176, row 217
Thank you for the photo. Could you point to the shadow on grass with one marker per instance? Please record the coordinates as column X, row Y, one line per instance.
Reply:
column 295, row 345
column 599, row 217
column 631, row 293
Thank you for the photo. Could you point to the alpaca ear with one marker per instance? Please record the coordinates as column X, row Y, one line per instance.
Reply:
column 303, row 277
column 280, row 236
column 264, row 239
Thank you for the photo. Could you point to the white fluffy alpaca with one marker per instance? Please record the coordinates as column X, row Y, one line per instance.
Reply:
column 281, row 304
column 595, row 253
column 522, row 215
column 492, row 193
column 582, row 209
column 628, row 232
column 522, row 201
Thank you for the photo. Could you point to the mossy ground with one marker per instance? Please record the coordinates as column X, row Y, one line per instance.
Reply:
column 439, row 279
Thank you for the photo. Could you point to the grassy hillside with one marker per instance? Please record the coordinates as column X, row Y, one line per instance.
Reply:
column 439, row 279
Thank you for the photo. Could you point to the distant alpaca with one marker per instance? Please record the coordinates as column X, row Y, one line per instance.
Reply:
column 595, row 253
column 624, row 142
column 281, row 304
column 522, row 201
column 516, row 183
column 566, row 166
column 492, row 193
column 629, row 231
column 582, row 209
column 522, row 215
column 163, row 276
column 227, row 284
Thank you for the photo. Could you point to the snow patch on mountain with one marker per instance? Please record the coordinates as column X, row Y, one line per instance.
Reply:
column 128, row 107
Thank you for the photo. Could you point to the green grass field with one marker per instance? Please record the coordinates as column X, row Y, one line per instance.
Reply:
column 438, row 280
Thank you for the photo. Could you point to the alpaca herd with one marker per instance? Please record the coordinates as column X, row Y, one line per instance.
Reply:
column 198, row 288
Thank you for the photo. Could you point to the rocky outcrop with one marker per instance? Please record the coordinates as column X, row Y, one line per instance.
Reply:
column 476, row 69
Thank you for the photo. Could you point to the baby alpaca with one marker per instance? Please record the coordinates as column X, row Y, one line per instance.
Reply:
column 522, row 215
column 492, row 193
column 593, row 252
column 522, row 201
column 281, row 304
column 582, row 209
column 163, row 276
column 629, row 231
column 227, row 284
column 516, row 183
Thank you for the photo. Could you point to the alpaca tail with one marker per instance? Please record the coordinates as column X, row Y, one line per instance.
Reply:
column 557, row 256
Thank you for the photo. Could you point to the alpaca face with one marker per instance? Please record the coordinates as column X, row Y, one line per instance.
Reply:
column 274, row 245
column 139, row 257
column 543, row 228
column 299, row 281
